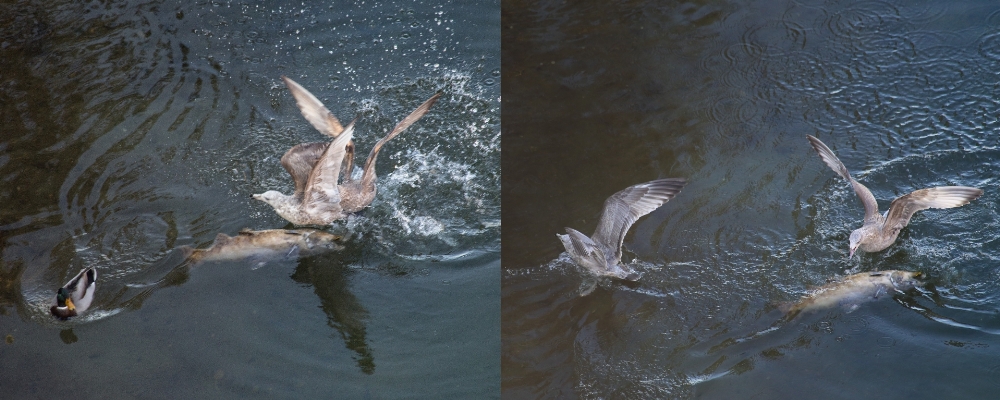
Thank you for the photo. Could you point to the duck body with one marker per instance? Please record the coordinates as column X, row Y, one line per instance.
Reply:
column 75, row 296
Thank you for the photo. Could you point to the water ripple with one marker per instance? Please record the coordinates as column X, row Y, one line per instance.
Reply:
column 989, row 46
column 863, row 20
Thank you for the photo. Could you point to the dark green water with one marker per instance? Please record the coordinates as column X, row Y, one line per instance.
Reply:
column 602, row 95
column 132, row 128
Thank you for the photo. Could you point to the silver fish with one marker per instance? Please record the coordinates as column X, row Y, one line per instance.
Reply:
column 265, row 244
column 853, row 290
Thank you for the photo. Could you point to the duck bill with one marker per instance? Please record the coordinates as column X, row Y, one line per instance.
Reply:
column 69, row 305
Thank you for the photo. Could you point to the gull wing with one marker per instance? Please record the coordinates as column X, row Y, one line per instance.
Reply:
column 831, row 160
column 299, row 161
column 369, row 170
column 903, row 208
column 578, row 244
column 314, row 111
column 321, row 193
column 622, row 209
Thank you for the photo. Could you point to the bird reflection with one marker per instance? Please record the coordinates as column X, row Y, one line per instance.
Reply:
column 344, row 312
column 328, row 274
column 68, row 336
column 10, row 287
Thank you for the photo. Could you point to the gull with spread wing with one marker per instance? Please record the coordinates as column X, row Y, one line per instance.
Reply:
column 317, row 198
column 308, row 163
column 601, row 253
column 879, row 231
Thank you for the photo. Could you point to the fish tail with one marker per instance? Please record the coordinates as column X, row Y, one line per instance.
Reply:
column 785, row 306
column 186, row 250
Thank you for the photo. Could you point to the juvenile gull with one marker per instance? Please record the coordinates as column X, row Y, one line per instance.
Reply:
column 601, row 253
column 76, row 295
column 880, row 230
column 303, row 160
column 317, row 198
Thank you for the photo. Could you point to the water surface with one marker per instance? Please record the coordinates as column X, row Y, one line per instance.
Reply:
column 599, row 96
column 133, row 128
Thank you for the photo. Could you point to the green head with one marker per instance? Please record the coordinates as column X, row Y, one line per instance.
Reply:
column 63, row 300
column 64, row 307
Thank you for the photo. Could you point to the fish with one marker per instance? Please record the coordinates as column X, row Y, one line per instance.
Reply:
column 853, row 290
column 261, row 246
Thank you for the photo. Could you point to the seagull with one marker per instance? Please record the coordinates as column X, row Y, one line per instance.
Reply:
column 76, row 295
column 317, row 198
column 601, row 253
column 310, row 165
column 880, row 230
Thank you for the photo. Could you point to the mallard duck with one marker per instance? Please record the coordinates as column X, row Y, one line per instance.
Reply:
column 316, row 167
column 880, row 231
column 76, row 295
column 601, row 253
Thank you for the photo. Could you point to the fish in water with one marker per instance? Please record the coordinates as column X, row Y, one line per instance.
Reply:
column 316, row 167
column 880, row 231
column 263, row 245
column 601, row 253
column 76, row 295
column 853, row 290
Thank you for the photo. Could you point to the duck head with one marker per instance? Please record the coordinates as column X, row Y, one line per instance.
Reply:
column 64, row 307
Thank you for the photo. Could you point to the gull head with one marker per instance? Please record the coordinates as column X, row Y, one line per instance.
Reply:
column 271, row 197
column 855, row 241
column 622, row 272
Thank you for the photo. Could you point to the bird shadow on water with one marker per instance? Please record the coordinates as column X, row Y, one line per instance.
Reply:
column 10, row 289
column 343, row 310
